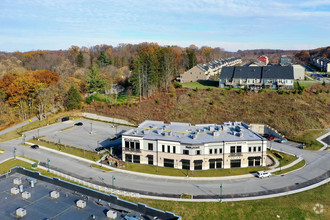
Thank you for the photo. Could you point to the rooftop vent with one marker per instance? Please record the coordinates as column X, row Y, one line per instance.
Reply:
column 216, row 133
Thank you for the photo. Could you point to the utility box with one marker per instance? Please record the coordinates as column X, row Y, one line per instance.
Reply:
column 26, row 195
column 20, row 212
column 17, row 181
column 14, row 191
column 81, row 204
column 112, row 214
column 54, row 194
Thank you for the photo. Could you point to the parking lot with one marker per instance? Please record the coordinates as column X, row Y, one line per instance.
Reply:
column 90, row 135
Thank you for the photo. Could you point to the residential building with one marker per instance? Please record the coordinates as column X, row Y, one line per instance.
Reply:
column 264, row 59
column 257, row 77
column 194, row 147
column 205, row 71
column 285, row 60
column 322, row 63
column 298, row 72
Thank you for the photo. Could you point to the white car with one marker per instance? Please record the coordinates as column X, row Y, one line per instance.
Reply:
column 262, row 174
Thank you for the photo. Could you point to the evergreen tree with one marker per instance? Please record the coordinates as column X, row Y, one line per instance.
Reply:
column 73, row 99
column 80, row 59
column 192, row 59
column 103, row 59
column 95, row 83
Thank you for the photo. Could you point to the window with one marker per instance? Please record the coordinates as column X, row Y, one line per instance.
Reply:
column 126, row 144
column 186, row 152
column 210, row 151
column 163, row 148
column 198, row 164
column 259, row 149
column 198, row 152
column 251, row 161
column 150, row 146
column 257, row 161
column 254, row 149
column 150, row 159
column 220, row 150
column 212, row 163
column 239, row 149
column 174, row 150
column 136, row 158
column 215, row 151
column 186, row 164
column 168, row 163
column 137, row 145
column 168, row 148
column 250, row 149
column 215, row 163
column 235, row 163
column 131, row 145
column 232, row 149
column 128, row 158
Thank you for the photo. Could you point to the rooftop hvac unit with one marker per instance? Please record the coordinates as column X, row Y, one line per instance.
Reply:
column 211, row 128
column 54, row 194
column 21, row 188
column 17, row 181
column 14, row 191
column 112, row 214
column 216, row 133
column 20, row 212
column 81, row 204
column 26, row 195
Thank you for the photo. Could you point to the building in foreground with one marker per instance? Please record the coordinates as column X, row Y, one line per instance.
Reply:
column 257, row 77
column 194, row 147
column 205, row 71
column 322, row 63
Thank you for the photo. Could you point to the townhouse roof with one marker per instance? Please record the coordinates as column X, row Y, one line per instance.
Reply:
column 277, row 72
column 246, row 72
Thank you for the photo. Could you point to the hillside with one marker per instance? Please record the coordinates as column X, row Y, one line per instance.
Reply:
column 288, row 113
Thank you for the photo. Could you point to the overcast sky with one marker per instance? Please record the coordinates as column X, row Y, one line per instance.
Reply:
column 229, row 24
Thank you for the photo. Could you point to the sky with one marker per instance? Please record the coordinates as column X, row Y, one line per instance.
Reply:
column 230, row 24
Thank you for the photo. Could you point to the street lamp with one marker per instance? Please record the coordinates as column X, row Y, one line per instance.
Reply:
column 91, row 127
column 59, row 144
column 48, row 160
column 113, row 181
column 24, row 138
column 280, row 165
column 14, row 152
column 220, row 193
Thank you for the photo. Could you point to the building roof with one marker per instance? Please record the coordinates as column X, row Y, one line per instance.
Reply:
column 227, row 72
column 246, row 72
column 194, row 134
column 277, row 72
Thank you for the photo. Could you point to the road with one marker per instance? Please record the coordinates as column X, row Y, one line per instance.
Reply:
column 317, row 163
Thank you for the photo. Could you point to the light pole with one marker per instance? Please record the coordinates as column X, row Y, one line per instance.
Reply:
column 280, row 165
column 220, row 193
column 91, row 127
column 113, row 181
column 14, row 152
column 24, row 138
column 48, row 160
column 59, row 144
column 38, row 134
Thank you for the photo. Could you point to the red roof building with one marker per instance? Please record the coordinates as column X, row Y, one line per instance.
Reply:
column 264, row 59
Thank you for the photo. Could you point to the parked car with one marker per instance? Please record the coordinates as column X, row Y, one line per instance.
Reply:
column 262, row 174
column 302, row 146
column 270, row 138
column 99, row 149
column 35, row 146
column 283, row 140
column 78, row 124
column 66, row 118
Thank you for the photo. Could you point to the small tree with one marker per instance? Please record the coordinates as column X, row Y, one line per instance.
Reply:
column 80, row 59
column 73, row 99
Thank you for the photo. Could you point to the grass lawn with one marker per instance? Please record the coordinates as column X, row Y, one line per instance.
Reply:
column 101, row 168
column 201, row 173
column 202, row 84
column 69, row 149
column 287, row 158
column 309, row 139
column 306, row 85
column 295, row 167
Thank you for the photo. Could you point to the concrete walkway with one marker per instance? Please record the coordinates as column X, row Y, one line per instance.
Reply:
column 319, row 139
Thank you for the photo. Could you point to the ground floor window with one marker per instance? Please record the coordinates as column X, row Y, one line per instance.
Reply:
column 136, row 158
column 150, row 159
column 186, row 164
column 254, row 161
column 168, row 163
column 128, row 158
column 235, row 163
column 198, row 164
column 215, row 163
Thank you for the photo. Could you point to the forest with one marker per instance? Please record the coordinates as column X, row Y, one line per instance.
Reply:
column 32, row 83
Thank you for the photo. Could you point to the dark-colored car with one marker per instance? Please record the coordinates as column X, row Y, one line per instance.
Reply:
column 99, row 149
column 66, row 118
column 78, row 124
column 35, row 146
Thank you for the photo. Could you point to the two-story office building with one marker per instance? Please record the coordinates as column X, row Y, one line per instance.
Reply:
column 194, row 147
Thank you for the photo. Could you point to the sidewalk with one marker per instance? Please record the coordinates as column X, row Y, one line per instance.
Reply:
column 325, row 145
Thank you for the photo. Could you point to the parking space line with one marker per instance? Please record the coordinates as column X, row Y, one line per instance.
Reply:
column 62, row 212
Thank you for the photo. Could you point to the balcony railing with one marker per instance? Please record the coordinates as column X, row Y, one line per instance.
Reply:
column 132, row 150
column 235, row 154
